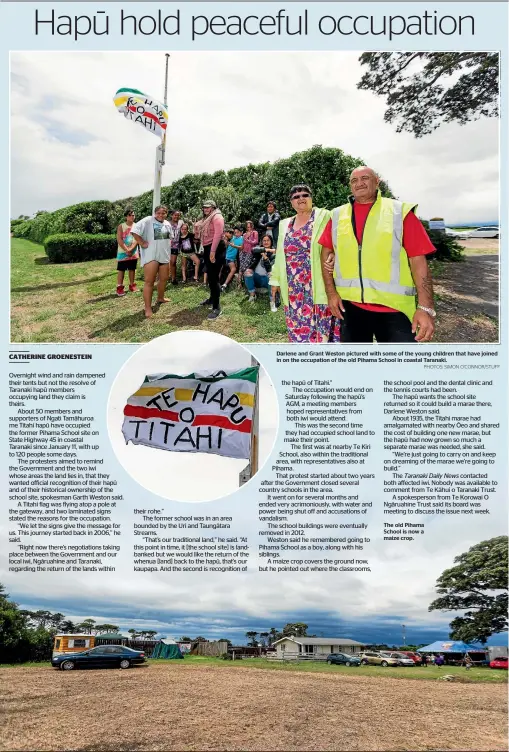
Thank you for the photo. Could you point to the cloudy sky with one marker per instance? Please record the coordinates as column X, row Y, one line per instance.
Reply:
column 69, row 143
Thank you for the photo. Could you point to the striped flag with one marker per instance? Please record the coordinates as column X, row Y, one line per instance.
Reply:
column 142, row 109
column 194, row 413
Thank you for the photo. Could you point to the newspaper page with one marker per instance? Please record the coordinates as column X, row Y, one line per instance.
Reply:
column 255, row 437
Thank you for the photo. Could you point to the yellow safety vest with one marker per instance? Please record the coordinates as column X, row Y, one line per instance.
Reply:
column 375, row 270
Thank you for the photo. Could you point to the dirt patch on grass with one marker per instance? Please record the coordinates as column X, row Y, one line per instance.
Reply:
column 170, row 707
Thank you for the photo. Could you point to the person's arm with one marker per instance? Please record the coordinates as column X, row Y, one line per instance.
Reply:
column 261, row 223
column 218, row 226
column 241, row 246
column 327, row 258
column 423, row 325
column 120, row 239
column 275, row 221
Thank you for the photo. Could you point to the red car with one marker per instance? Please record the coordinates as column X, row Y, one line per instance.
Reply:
column 414, row 656
column 500, row 662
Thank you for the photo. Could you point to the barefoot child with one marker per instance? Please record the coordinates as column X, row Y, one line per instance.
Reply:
column 127, row 253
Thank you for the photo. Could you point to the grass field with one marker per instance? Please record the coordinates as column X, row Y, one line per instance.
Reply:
column 77, row 303
column 430, row 673
column 204, row 705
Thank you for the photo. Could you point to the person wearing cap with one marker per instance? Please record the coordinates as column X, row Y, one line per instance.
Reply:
column 297, row 272
column 374, row 266
column 214, row 249
column 269, row 222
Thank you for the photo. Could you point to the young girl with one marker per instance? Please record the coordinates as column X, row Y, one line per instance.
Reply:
column 234, row 245
column 250, row 241
column 187, row 247
column 127, row 253
column 257, row 275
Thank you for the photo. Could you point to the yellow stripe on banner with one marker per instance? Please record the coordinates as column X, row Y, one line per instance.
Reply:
column 246, row 399
column 186, row 395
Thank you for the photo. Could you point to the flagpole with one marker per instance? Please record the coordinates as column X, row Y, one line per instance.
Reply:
column 161, row 149
column 254, row 438
column 252, row 467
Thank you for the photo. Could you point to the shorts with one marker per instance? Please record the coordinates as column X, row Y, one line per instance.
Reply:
column 161, row 255
column 175, row 251
column 127, row 265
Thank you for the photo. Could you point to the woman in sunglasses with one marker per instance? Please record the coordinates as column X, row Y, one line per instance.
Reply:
column 297, row 272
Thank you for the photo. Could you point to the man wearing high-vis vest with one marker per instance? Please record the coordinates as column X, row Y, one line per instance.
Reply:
column 378, row 267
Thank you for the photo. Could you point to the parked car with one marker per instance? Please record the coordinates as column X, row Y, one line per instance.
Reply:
column 482, row 232
column 453, row 233
column 414, row 656
column 377, row 658
column 103, row 656
column 343, row 659
column 403, row 660
column 500, row 662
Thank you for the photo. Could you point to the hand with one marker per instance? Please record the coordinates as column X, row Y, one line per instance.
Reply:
column 144, row 244
column 423, row 326
column 329, row 263
column 213, row 258
column 336, row 305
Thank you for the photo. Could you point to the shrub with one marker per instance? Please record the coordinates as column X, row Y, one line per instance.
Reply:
column 21, row 229
column 448, row 248
column 67, row 247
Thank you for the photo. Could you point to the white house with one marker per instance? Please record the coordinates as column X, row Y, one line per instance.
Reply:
column 319, row 647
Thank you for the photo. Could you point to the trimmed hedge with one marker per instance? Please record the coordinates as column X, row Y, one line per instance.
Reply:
column 67, row 247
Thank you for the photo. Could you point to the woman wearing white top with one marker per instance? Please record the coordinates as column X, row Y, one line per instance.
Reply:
column 154, row 238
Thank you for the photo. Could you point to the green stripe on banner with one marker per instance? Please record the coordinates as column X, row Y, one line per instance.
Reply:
column 248, row 374
column 130, row 91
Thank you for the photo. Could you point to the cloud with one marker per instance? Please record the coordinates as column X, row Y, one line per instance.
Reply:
column 227, row 109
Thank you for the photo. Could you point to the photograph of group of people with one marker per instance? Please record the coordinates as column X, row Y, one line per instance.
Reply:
column 223, row 254
column 352, row 274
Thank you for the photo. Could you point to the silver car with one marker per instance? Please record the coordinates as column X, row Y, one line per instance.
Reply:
column 403, row 660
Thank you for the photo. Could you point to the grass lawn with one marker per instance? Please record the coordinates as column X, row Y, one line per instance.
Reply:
column 77, row 303
column 428, row 673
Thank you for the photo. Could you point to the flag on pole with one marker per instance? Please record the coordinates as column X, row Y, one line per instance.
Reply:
column 142, row 109
column 195, row 413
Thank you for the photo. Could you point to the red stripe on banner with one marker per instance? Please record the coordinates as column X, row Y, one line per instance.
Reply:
column 220, row 421
column 138, row 411
column 162, row 124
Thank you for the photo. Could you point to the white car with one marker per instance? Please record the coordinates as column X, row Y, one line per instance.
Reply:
column 483, row 232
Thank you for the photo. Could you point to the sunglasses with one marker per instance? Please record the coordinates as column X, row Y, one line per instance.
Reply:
column 300, row 195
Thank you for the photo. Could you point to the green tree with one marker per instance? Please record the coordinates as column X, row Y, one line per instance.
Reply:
column 105, row 628
column 264, row 637
column 67, row 626
column 477, row 585
column 273, row 635
column 184, row 638
column 297, row 629
column 87, row 626
column 423, row 90
column 251, row 636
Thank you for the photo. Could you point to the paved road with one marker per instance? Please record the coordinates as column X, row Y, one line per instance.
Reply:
column 473, row 284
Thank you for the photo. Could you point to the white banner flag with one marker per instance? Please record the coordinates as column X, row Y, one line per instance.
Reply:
column 194, row 413
column 142, row 109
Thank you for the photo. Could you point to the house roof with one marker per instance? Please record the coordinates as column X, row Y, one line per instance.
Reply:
column 320, row 641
